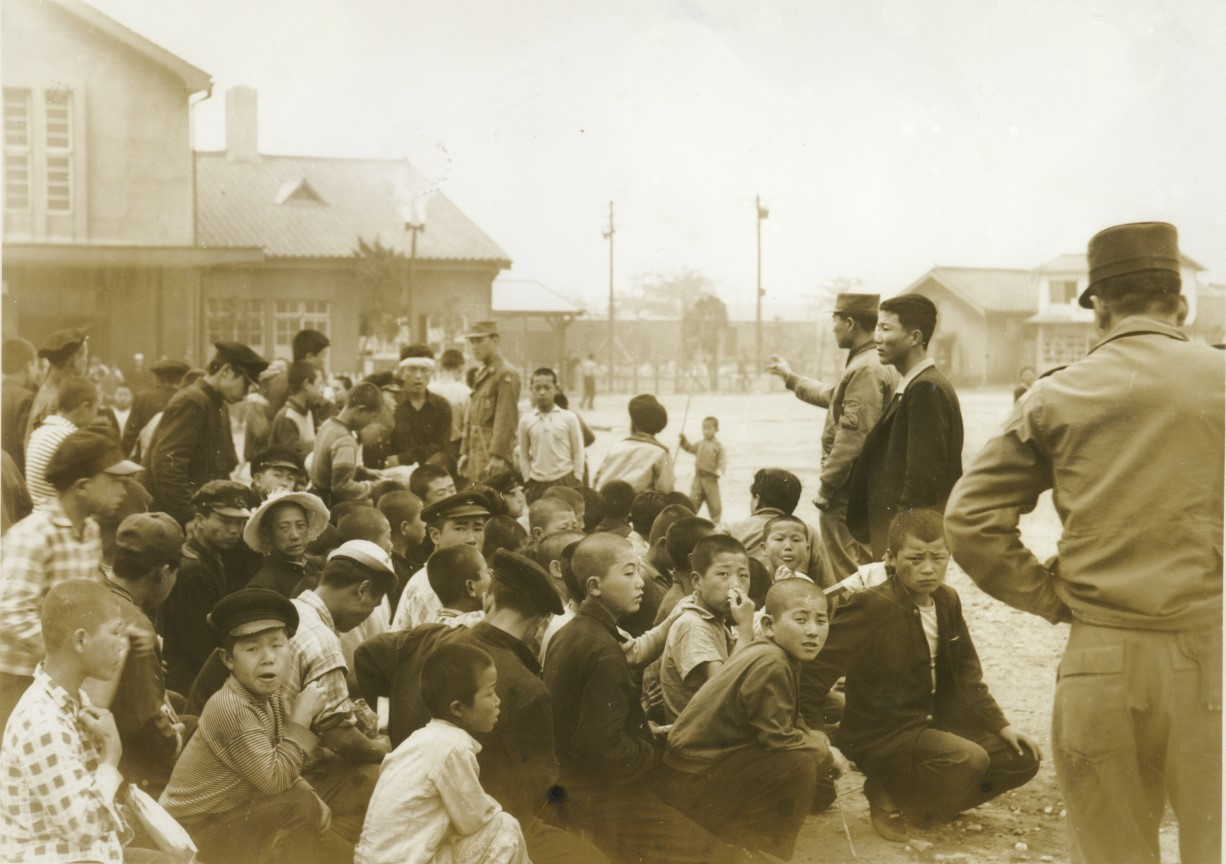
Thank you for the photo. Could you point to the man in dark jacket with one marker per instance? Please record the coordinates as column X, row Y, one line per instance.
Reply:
column 913, row 456
column 151, row 401
column 193, row 443
column 422, row 430
column 919, row 721
column 518, row 764
column 20, row 377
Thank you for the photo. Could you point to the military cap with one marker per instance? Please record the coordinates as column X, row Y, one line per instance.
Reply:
column 277, row 456
column 62, row 344
column 856, row 304
column 175, row 369
column 504, row 481
column 482, row 329
column 253, row 610
column 225, row 497
column 84, row 454
column 457, row 506
column 150, row 535
column 1134, row 248
column 242, row 358
column 528, row 578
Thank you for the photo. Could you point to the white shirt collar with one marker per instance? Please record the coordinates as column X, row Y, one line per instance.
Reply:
column 926, row 363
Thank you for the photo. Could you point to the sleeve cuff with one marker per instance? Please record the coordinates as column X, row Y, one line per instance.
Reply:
column 302, row 736
column 109, row 780
column 790, row 381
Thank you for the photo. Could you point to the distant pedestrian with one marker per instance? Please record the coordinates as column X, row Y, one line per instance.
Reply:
column 67, row 352
column 1025, row 380
column 588, row 369
column 193, row 443
column 550, row 440
column 710, row 463
column 913, row 456
column 493, row 408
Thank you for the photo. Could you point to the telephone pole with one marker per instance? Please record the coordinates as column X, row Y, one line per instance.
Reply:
column 762, row 214
column 608, row 234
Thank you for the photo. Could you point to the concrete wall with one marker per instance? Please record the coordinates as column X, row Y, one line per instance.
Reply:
column 133, row 161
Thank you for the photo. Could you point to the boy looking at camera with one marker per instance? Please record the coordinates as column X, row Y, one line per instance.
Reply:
column 429, row 804
column 700, row 641
column 786, row 547
column 741, row 761
column 550, row 440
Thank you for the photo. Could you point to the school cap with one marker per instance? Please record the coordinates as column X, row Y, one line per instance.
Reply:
column 528, row 578
column 277, row 456
column 856, row 304
column 459, row 505
column 150, row 535
column 170, row 368
column 482, row 329
column 83, row 454
column 226, row 498
column 242, row 358
column 504, row 482
column 1134, row 248
column 253, row 610
column 365, row 553
column 62, row 344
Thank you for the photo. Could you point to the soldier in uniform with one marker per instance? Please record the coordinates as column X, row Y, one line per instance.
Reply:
column 1130, row 440
column 853, row 406
column 493, row 408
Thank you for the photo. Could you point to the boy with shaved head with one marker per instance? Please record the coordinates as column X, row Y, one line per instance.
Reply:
column 743, row 733
column 606, row 752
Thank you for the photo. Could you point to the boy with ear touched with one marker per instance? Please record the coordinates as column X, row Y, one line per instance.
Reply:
column 741, row 761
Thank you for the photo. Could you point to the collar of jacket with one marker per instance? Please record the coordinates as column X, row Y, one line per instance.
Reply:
column 1140, row 325
column 489, row 633
column 592, row 608
column 856, row 352
column 197, row 551
column 210, row 391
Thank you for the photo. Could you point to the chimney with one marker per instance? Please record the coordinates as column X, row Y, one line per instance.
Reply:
column 242, row 138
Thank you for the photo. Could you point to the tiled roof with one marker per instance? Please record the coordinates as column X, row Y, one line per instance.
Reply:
column 528, row 297
column 988, row 289
column 237, row 206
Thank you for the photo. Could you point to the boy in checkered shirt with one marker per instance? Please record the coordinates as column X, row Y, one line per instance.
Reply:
column 59, row 762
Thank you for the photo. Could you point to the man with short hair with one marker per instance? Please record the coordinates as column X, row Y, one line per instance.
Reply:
column 1129, row 439
column 853, row 406
column 422, row 426
column 20, row 362
column 308, row 346
column 67, row 353
column 337, row 472
column 152, row 401
column 76, row 407
column 294, row 425
column 54, row 544
column 493, row 408
column 193, row 443
column 913, row 456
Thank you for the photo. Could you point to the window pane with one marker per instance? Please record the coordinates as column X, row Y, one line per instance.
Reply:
column 235, row 320
column 16, row 118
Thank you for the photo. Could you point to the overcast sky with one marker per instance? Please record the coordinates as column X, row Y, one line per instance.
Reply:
column 884, row 136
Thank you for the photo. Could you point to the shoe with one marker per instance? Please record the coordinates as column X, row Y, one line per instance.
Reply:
column 889, row 824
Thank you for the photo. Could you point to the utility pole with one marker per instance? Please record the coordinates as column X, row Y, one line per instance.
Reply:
column 762, row 214
column 608, row 235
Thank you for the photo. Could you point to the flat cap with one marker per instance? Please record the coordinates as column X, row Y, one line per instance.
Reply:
column 482, row 329
column 225, row 497
column 528, row 578
column 150, row 535
column 253, row 610
column 277, row 456
column 62, row 344
column 1133, row 248
column 860, row 304
column 242, row 358
column 170, row 368
column 86, row 453
column 456, row 506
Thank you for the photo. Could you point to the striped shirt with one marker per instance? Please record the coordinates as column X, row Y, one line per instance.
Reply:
column 59, row 797
column 336, row 461
column 243, row 748
column 39, row 551
column 44, row 441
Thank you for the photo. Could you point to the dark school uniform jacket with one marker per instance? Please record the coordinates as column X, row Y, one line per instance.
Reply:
column 910, row 459
column 601, row 732
column 422, row 435
column 145, row 406
column 192, row 445
column 877, row 640
column 187, row 639
column 517, row 760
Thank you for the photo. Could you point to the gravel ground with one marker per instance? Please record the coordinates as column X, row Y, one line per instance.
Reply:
column 1019, row 652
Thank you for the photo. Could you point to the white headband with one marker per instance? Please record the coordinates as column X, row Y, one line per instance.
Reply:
column 423, row 362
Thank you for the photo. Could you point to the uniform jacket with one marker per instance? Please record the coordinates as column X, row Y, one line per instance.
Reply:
column 192, row 445
column 518, row 764
column 910, row 460
column 188, row 641
column 145, row 406
column 878, row 642
column 598, row 721
column 422, row 435
column 1130, row 438
column 493, row 416
column 17, row 400
column 854, row 405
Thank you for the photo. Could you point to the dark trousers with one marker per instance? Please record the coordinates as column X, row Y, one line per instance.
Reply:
column 633, row 825
column 934, row 774
column 278, row 828
column 757, row 799
column 534, row 489
column 11, row 688
column 844, row 553
column 346, row 788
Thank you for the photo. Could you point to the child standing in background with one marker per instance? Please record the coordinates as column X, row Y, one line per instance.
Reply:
column 710, row 463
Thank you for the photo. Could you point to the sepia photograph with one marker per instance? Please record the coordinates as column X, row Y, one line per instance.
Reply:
column 659, row 432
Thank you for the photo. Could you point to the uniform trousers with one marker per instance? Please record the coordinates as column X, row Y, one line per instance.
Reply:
column 934, row 774
column 844, row 553
column 534, row 489
column 1138, row 720
column 706, row 488
column 280, row 829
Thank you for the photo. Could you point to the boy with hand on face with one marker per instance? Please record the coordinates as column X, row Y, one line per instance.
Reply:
column 238, row 785
column 700, row 641
column 786, row 547
column 919, row 721
column 741, row 761
column 429, row 804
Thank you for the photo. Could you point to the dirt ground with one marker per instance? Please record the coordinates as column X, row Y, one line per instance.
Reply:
column 1019, row 652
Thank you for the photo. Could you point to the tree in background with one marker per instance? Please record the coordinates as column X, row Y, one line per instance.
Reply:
column 665, row 295
column 704, row 330
column 382, row 277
